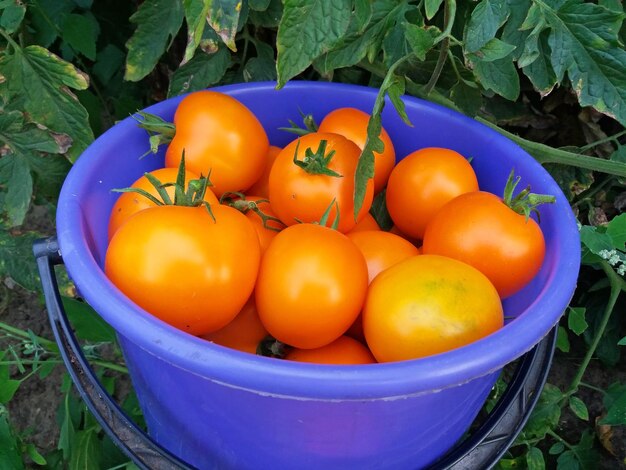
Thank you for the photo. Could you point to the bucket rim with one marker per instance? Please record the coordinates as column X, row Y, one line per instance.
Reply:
column 290, row 379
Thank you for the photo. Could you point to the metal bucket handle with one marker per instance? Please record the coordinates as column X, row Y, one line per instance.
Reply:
column 482, row 449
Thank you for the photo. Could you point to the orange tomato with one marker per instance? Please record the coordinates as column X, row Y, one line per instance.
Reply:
column 219, row 134
column 311, row 285
column 303, row 195
column 130, row 203
column 344, row 350
column 243, row 333
column 480, row 230
column 366, row 223
column 422, row 182
column 188, row 268
column 266, row 230
column 352, row 124
column 261, row 188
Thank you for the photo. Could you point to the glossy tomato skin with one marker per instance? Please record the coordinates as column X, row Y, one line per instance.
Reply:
column 268, row 230
column 243, row 333
column 262, row 187
column 480, row 230
column 352, row 124
column 130, row 203
column 221, row 135
column 184, row 267
column 427, row 305
column 368, row 222
column 344, row 350
column 311, row 285
column 296, row 195
column 422, row 182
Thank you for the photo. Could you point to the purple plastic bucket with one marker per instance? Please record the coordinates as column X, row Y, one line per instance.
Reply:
column 216, row 407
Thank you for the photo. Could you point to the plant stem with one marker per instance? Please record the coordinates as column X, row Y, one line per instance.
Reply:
column 592, row 387
column 448, row 19
column 49, row 345
column 610, row 138
column 541, row 152
column 9, row 39
column 558, row 438
column 617, row 285
column 103, row 364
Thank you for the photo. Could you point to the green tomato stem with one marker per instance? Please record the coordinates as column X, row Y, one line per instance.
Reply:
column 50, row 346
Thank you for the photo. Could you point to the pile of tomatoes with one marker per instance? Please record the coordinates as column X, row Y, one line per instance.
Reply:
column 272, row 247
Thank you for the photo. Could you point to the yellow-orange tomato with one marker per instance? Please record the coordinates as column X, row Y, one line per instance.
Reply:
column 426, row 305
column 130, row 203
column 368, row 222
column 191, row 269
column 311, row 285
column 344, row 350
column 422, row 182
column 303, row 195
column 352, row 124
column 219, row 134
column 244, row 333
column 261, row 187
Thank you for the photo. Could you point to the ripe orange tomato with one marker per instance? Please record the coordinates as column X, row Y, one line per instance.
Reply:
column 189, row 269
column 244, row 333
column 479, row 229
column 311, row 285
column 303, row 195
column 344, row 350
column 422, row 182
column 352, row 124
column 130, row 203
column 426, row 305
column 221, row 135
column 261, row 188
column 366, row 223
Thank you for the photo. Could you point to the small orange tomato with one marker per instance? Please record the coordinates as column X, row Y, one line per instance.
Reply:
column 244, row 333
column 352, row 124
column 422, row 182
column 311, row 285
column 261, row 187
column 130, row 203
column 344, row 350
column 426, row 305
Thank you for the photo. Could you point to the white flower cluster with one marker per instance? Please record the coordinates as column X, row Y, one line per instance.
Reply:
column 614, row 260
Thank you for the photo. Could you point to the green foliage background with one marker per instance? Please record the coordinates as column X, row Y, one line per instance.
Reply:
column 70, row 68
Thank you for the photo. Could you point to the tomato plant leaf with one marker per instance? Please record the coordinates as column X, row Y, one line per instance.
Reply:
column 362, row 13
column 11, row 15
column 469, row 99
column 546, row 414
column 8, row 386
column 202, row 71
column 616, row 229
column 584, row 44
column 556, row 448
column 562, row 340
column 432, row 7
column 534, row 459
column 262, row 67
column 269, row 17
column 355, row 45
column 616, row 413
column 196, row 12
column 223, row 17
column 493, row 49
column 579, row 408
column 500, row 76
column 486, row 19
column 540, row 71
column 158, row 21
column 10, row 454
column 379, row 211
column 421, row 40
column 308, row 28
column 15, row 174
column 259, row 5
column 16, row 260
column 576, row 320
column 567, row 461
column 81, row 33
column 41, row 81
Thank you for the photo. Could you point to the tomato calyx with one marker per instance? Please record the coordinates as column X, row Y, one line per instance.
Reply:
column 316, row 163
column 525, row 203
column 271, row 347
column 190, row 196
column 238, row 201
column 161, row 132
column 308, row 120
